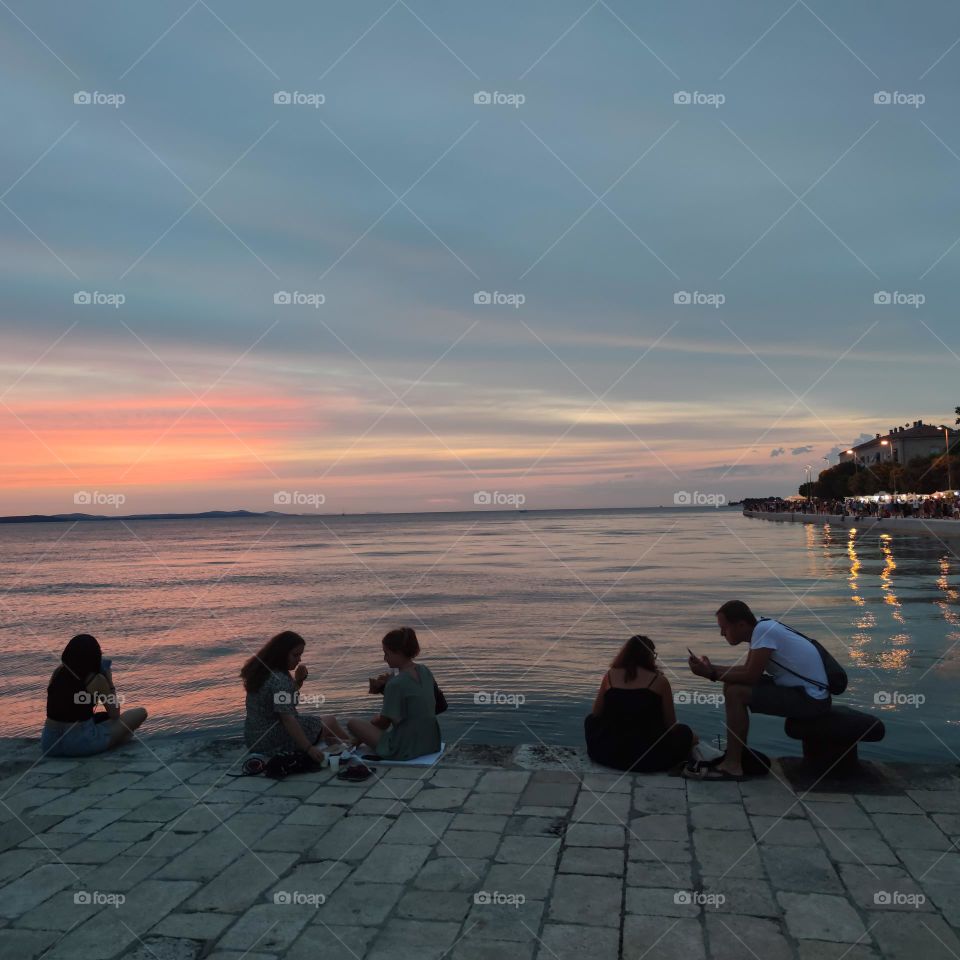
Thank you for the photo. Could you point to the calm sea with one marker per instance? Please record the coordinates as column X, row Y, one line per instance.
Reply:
column 518, row 613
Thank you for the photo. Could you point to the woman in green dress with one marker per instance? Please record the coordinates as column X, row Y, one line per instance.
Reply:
column 407, row 726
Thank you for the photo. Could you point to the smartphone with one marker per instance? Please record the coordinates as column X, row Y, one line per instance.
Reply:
column 105, row 663
column 692, row 654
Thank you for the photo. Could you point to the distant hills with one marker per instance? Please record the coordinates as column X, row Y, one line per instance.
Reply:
column 86, row 517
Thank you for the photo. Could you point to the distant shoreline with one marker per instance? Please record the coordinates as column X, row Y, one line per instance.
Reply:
column 273, row 514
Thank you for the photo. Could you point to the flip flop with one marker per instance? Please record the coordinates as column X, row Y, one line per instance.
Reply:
column 355, row 773
column 706, row 774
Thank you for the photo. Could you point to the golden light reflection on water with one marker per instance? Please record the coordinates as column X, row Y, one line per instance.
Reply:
column 854, row 568
column 886, row 577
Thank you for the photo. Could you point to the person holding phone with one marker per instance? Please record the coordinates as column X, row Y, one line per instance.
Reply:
column 82, row 682
column 272, row 678
column 633, row 724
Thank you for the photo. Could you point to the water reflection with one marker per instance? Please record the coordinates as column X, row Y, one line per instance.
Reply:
column 886, row 577
column 854, row 568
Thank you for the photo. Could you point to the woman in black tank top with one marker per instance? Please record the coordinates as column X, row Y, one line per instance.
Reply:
column 634, row 727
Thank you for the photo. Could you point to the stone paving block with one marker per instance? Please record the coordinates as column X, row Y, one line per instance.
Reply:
column 733, row 938
column 413, row 940
column 901, row 935
column 122, row 874
column 718, row 816
column 311, row 879
column 487, row 823
column 373, row 807
column 658, row 826
column 661, row 902
column 104, row 935
column 834, row 815
column 25, row 944
column 815, row 916
column 468, row 844
column 740, row 896
column 595, row 835
column 314, row 815
column 88, row 821
column 529, row 850
column 450, row 873
column 332, row 943
column 206, row 857
column 928, row 865
column 699, row 791
column 454, row 777
column 937, row 801
column 193, row 926
column 647, row 874
column 648, row 800
column 534, row 883
column 914, row 833
column 28, row 837
column 728, row 853
column 30, row 889
column 295, row 787
column 777, row 805
column 160, row 809
column 269, row 927
column 822, row 950
column 125, row 831
column 551, row 813
column 92, row 851
column 539, row 794
column 878, row 803
column 434, row 905
column 535, row 826
column 162, row 843
column 878, row 887
column 31, row 798
column 240, row 885
column 611, row 808
column 495, row 803
column 288, row 838
column 165, row 948
column 494, row 916
column 567, row 941
column 203, row 817
column 359, row 904
column 439, row 798
column 592, row 860
column 15, row 863
column 949, row 823
column 800, row 869
column 784, row 832
column 396, row 863
column 594, row 901
column 423, row 827
column 502, row 781
column 342, row 793
column 62, row 911
column 394, row 789
column 351, row 838
column 608, row 782
column 659, row 851
column 675, row 938
column 128, row 799
column 856, row 846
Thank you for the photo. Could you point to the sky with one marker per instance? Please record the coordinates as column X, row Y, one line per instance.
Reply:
column 557, row 254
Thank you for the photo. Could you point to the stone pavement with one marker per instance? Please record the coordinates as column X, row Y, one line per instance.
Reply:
column 155, row 853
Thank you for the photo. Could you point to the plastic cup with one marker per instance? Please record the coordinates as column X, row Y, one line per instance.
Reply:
column 334, row 762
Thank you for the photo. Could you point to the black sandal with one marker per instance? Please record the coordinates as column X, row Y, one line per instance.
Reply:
column 355, row 773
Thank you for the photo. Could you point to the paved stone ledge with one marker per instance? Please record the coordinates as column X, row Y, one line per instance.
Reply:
column 155, row 852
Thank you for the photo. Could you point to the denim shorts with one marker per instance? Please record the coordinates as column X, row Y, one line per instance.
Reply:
column 782, row 701
column 74, row 740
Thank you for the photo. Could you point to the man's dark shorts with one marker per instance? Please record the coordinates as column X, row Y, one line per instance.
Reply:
column 777, row 701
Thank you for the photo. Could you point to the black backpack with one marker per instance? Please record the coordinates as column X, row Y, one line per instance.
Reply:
column 836, row 675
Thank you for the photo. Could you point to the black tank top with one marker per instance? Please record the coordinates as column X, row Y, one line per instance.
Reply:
column 67, row 697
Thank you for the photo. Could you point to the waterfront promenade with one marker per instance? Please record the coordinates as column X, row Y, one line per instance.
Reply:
column 915, row 526
column 155, row 853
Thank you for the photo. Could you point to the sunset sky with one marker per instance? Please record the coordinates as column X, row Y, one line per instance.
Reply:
column 590, row 207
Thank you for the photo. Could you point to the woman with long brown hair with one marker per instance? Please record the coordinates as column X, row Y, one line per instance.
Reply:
column 273, row 724
column 633, row 724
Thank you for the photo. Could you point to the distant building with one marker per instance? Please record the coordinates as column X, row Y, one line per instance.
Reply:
column 902, row 444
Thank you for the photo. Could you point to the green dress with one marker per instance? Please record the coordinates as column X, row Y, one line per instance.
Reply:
column 412, row 708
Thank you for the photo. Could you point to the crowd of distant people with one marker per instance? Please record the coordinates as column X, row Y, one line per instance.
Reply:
column 925, row 508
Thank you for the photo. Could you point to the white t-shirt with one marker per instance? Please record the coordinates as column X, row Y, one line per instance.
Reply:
column 791, row 650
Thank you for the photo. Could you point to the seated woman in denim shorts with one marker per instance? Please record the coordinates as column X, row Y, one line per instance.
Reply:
column 83, row 680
